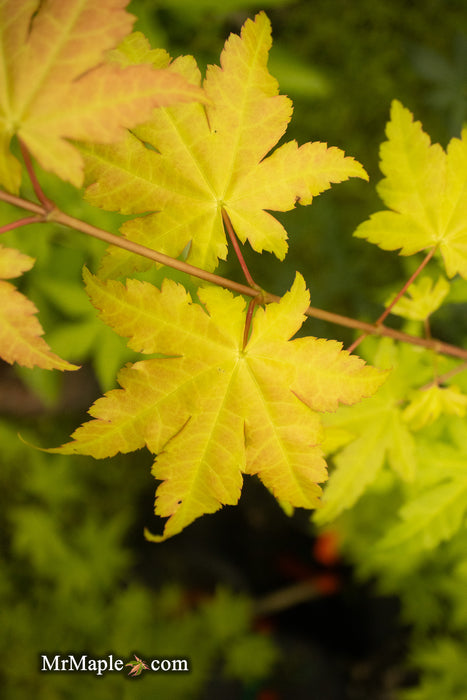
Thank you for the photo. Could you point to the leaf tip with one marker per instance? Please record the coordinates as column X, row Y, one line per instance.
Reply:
column 154, row 538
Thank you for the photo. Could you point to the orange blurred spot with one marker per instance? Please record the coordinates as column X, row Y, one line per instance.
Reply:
column 268, row 695
column 326, row 548
column 326, row 583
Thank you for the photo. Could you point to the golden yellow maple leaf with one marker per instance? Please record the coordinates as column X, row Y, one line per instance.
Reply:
column 206, row 159
column 211, row 409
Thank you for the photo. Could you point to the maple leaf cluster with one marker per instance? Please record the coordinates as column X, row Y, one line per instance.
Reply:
column 226, row 399
column 56, row 86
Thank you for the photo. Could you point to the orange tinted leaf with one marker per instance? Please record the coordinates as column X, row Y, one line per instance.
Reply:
column 13, row 263
column 20, row 331
column 57, row 86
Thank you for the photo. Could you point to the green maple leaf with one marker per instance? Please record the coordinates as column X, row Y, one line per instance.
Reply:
column 429, row 404
column 426, row 188
column 206, row 159
column 55, row 84
column 430, row 518
column 436, row 504
column 374, row 433
column 423, row 298
column 212, row 410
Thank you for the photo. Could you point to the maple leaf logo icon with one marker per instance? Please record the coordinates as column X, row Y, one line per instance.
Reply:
column 138, row 666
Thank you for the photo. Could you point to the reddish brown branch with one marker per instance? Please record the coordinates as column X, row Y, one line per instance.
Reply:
column 389, row 308
column 261, row 296
column 22, row 203
column 21, row 222
column 234, row 240
column 45, row 201
column 249, row 316
column 443, row 378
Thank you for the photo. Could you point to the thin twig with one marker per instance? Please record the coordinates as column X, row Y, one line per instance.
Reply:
column 389, row 308
column 22, row 203
column 249, row 317
column 238, row 252
column 264, row 297
column 443, row 378
column 62, row 218
column 37, row 219
column 411, row 279
column 47, row 203
column 286, row 598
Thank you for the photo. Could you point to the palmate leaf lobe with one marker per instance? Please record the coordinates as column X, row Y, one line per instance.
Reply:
column 375, row 433
column 20, row 331
column 204, row 159
column 55, row 84
column 427, row 405
column 423, row 298
column 426, row 191
column 435, row 506
column 212, row 410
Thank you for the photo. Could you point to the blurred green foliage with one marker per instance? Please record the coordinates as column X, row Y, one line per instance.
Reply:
column 66, row 586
